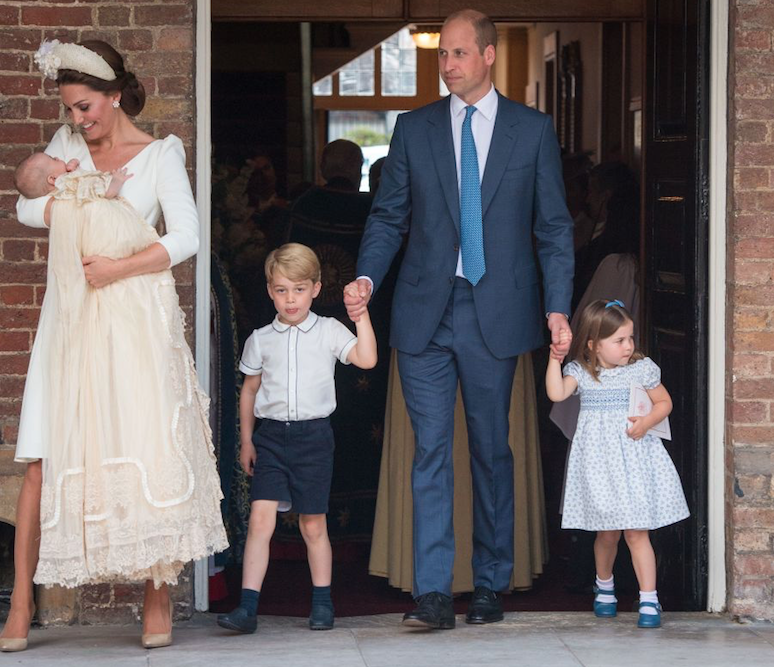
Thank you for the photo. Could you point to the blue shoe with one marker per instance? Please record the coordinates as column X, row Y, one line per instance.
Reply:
column 649, row 620
column 238, row 621
column 605, row 609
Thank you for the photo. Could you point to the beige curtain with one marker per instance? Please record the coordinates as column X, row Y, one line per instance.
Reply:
column 391, row 548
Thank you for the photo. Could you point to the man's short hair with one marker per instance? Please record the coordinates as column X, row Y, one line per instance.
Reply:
column 295, row 262
column 486, row 33
column 342, row 159
column 30, row 176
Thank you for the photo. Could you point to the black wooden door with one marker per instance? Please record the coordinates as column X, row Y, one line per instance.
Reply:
column 675, row 259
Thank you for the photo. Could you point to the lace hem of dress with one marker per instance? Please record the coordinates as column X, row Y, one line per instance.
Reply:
column 159, row 558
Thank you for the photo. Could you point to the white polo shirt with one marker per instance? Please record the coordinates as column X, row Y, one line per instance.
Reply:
column 297, row 364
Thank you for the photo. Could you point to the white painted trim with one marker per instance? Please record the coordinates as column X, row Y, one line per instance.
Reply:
column 718, row 180
column 203, row 191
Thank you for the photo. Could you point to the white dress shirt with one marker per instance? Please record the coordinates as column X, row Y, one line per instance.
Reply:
column 482, row 125
column 297, row 363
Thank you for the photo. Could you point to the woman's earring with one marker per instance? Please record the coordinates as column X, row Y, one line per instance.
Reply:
column 116, row 104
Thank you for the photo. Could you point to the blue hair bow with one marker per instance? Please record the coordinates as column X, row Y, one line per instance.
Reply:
column 615, row 302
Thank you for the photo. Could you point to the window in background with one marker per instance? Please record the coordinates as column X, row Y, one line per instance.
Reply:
column 323, row 87
column 357, row 77
column 399, row 65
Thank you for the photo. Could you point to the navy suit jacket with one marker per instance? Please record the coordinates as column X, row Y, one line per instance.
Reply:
column 521, row 193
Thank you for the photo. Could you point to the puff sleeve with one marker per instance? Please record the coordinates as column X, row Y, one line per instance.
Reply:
column 173, row 191
column 650, row 373
column 574, row 370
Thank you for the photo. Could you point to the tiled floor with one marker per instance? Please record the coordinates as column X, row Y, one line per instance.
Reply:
column 523, row 640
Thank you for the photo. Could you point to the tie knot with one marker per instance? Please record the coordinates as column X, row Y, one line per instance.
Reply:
column 469, row 111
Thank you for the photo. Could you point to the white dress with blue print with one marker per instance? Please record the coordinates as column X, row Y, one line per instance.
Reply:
column 614, row 482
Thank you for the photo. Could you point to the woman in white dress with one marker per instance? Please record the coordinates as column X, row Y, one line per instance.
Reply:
column 100, row 96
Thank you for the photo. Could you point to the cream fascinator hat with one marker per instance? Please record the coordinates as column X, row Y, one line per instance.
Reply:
column 53, row 56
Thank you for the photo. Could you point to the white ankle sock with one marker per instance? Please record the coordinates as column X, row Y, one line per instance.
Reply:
column 649, row 596
column 606, row 588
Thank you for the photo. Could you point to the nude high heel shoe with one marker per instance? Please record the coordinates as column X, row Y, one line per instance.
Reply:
column 160, row 639
column 14, row 644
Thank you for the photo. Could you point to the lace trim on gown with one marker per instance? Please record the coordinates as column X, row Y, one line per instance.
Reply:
column 130, row 491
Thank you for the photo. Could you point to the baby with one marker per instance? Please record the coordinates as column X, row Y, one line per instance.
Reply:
column 37, row 176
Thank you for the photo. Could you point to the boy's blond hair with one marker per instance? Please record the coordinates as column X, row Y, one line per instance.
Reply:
column 295, row 261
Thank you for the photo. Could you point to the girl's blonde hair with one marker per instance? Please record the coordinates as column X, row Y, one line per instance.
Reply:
column 294, row 261
column 599, row 320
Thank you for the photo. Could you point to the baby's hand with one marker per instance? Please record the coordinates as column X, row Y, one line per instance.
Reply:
column 121, row 175
column 72, row 165
column 117, row 178
column 638, row 428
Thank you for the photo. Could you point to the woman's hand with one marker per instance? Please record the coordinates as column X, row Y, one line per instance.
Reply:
column 100, row 271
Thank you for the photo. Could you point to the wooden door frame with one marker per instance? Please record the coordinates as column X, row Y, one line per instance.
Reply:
column 719, row 25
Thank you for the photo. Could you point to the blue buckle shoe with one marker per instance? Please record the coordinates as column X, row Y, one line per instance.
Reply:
column 649, row 620
column 604, row 609
column 238, row 621
column 321, row 618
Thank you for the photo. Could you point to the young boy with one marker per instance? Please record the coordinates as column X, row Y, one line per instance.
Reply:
column 289, row 367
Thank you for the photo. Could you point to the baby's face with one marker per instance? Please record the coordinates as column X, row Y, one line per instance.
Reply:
column 55, row 167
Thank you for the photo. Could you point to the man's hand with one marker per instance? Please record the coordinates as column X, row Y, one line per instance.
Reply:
column 565, row 338
column 561, row 334
column 357, row 294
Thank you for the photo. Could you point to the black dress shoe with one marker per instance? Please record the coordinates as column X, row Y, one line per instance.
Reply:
column 485, row 607
column 238, row 621
column 434, row 611
column 321, row 618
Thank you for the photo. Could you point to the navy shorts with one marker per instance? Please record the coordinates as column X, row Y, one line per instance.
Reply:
column 294, row 464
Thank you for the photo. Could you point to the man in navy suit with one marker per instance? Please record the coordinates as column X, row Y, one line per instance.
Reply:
column 470, row 187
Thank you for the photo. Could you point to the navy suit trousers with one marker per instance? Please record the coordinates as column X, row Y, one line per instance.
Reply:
column 457, row 352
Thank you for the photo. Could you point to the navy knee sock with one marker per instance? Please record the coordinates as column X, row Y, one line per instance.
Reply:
column 321, row 595
column 249, row 601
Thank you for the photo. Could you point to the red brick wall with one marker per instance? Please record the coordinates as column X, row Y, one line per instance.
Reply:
column 157, row 40
column 750, row 413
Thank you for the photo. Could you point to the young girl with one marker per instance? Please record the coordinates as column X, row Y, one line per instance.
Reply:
column 619, row 477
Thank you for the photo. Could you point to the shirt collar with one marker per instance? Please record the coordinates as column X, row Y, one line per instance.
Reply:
column 305, row 326
column 486, row 106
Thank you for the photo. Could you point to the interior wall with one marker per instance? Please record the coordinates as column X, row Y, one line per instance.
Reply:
column 256, row 96
column 590, row 37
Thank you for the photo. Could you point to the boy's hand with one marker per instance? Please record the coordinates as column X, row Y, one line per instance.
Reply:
column 72, row 165
column 638, row 428
column 356, row 297
column 247, row 457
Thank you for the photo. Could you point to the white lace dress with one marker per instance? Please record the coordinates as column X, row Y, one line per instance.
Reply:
column 614, row 482
column 130, row 487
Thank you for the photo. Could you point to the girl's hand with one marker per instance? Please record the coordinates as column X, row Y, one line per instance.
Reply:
column 638, row 428
column 100, row 271
column 247, row 457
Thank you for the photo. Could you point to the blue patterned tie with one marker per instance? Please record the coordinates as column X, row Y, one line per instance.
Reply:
column 471, row 226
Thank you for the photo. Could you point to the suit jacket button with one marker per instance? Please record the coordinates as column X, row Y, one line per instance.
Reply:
column 456, row 248
column 451, row 279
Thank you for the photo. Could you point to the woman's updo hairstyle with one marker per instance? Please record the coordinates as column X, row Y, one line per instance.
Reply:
column 126, row 83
